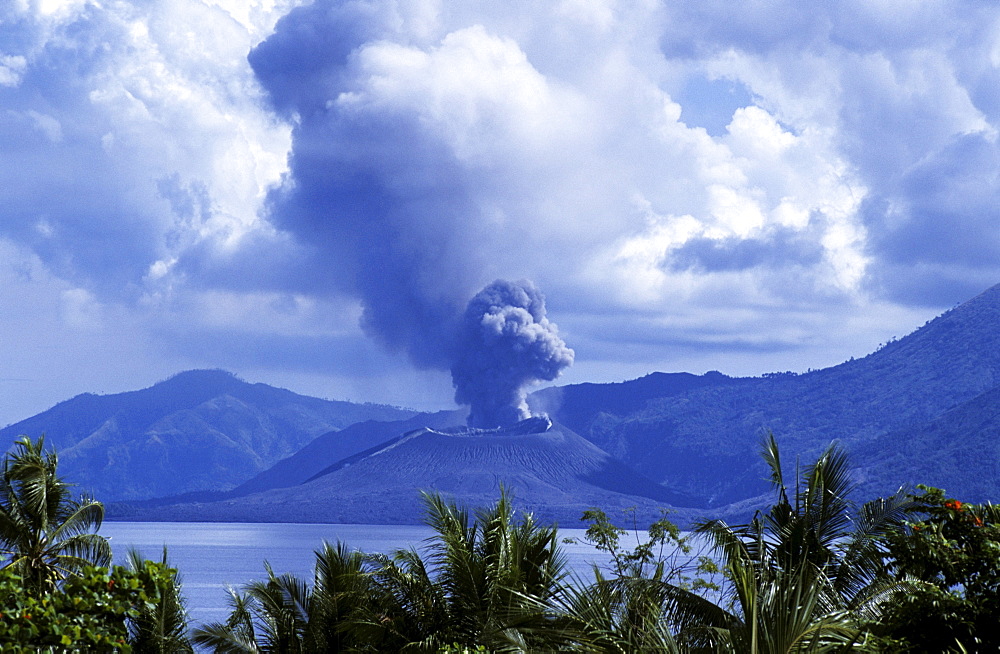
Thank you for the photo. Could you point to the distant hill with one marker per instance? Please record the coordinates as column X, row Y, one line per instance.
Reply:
column 555, row 473
column 702, row 439
column 323, row 452
column 198, row 430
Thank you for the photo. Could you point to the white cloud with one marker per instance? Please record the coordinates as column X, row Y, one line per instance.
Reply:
column 556, row 141
column 138, row 94
column 11, row 69
column 80, row 310
column 47, row 125
column 553, row 135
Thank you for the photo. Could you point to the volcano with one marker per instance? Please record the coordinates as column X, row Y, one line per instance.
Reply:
column 547, row 468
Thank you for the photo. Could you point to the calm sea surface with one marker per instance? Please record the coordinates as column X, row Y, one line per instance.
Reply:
column 212, row 555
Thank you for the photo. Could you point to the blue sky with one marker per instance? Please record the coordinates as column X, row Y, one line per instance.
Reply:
column 297, row 192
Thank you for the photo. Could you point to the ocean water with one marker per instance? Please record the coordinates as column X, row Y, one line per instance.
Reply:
column 212, row 555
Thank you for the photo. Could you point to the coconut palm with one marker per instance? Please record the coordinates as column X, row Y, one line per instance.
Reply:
column 648, row 598
column 284, row 614
column 485, row 581
column 159, row 627
column 341, row 588
column 802, row 574
column 270, row 616
column 45, row 533
column 237, row 634
column 407, row 608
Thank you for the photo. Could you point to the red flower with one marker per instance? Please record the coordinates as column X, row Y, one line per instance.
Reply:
column 111, row 584
column 976, row 520
column 954, row 505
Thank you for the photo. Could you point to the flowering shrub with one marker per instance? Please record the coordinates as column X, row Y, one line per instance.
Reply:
column 951, row 551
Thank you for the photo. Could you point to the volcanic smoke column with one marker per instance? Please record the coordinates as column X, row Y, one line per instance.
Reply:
column 505, row 344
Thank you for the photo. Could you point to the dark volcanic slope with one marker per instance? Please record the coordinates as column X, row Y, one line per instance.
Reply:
column 332, row 447
column 199, row 430
column 556, row 474
column 704, row 440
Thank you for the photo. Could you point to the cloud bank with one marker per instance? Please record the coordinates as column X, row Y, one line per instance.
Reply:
column 692, row 185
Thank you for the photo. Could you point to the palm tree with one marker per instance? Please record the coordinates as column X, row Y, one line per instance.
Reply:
column 616, row 615
column 270, row 616
column 485, row 581
column 45, row 532
column 408, row 609
column 341, row 587
column 802, row 574
column 284, row 614
column 160, row 627
column 234, row 636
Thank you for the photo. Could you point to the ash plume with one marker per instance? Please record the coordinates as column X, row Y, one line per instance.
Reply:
column 387, row 208
column 505, row 344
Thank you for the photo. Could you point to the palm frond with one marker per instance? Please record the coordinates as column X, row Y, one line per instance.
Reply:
column 91, row 549
column 78, row 517
column 160, row 628
column 220, row 638
column 772, row 457
column 282, row 609
column 826, row 496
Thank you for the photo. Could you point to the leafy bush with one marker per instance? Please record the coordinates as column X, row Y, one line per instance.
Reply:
column 90, row 613
column 950, row 551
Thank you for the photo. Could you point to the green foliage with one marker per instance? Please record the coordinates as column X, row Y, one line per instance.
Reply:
column 89, row 613
column 270, row 616
column 341, row 588
column 664, row 553
column 950, row 551
column 483, row 581
column 236, row 634
column 645, row 598
column 54, row 596
column 625, row 614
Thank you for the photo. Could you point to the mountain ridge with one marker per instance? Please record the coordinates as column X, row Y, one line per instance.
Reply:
column 197, row 430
